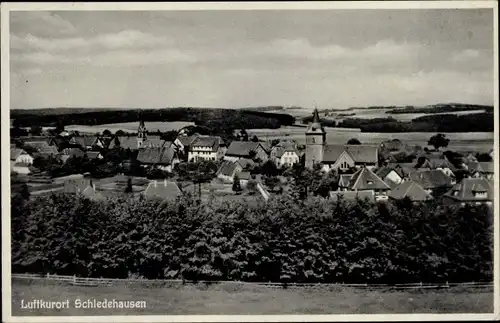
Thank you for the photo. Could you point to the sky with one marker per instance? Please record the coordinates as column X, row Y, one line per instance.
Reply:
column 331, row 59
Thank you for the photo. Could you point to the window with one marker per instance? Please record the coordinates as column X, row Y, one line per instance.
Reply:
column 313, row 140
column 480, row 194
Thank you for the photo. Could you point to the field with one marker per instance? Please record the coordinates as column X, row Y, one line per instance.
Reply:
column 460, row 141
column 130, row 126
column 232, row 299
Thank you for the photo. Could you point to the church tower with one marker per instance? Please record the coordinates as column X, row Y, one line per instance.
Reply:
column 315, row 141
column 141, row 134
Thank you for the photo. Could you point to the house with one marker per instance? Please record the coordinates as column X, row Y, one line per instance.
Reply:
column 430, row 180
column 352, row 195
column 94, row 155
column 246, row 163
column 48, row 151
column 471, row 190
column 83, row 187
column 343, row 157
column 87, row 142
column 246, row 149
column 392, row 145
column 228, row 170
column 152, row 142
column 184, row 142
column 59, row 143
column 20, row 168
column 392, row 176
column 366, row 180
column 411, row 190
column 244, row 178
column 442, row 164
column 206, row 148
column 162, row 190
column 481, row 169
column 71, row 153
column 164, row 158
column 18, row 155
column 346, row 157
column 344, row 181
column 37, row 145
column 124, row 142
column 285, row 155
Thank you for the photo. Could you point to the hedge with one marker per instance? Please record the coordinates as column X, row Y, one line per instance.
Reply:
column 278, row 241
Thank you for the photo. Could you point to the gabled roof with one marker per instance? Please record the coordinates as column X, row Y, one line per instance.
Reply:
column 384, row 171
column 93, row 154
column 430, row 179
column 344, row 180
column 74, row 152
column 315, row 126
column 165, row 190
column 435, row 163
column 244, row 175
column 481, row 167
column 85, row 141
column 16, row 152
column 411, row 190
column 242, row 148
column 285, row 147
column 464, row 191
column 207, row 141
column 49, row 150
column 156, row 155
column 244, row 162
column 124, row 142
column 352, row 195
column 228, row 168
column 365, row 179
column 359, row 153
column 186, row 140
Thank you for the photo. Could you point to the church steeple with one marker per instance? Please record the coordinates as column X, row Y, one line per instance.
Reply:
column 315, row 141
column 141, row 133
column 315, row 126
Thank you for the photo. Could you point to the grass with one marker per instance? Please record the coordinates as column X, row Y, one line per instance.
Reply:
column 232, row 299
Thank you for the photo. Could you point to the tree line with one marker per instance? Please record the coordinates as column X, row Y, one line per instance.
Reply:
column 315, row 240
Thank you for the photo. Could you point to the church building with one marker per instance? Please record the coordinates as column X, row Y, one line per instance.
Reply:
column 336, row 156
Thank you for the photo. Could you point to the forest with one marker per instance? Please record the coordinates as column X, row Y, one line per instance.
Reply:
column 283, row 240
column 216, row 118
column 442, row 108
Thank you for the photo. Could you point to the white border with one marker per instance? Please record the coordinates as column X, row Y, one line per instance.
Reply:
column 309, row 5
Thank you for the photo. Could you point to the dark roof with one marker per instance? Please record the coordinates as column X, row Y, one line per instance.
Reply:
column 156, row 155
column 244, row 162
column 207, row 141
column 85, row 141
column 92, row 154
column 359, row 153
column 430, row 179
column 315, row 126
column 365, row 179
column 241, row 148
column 352, row 195
column 344, row 180
column 481, row 167
column 228, row 168
column 186, row 140
column 124, row 142
column 74, row 152
column 464, row 191
column 244, row 175
column 435, row 163
column 162, row 190
column 152, row 141
column 411, row 190
column 37, row 144
column 49, row 150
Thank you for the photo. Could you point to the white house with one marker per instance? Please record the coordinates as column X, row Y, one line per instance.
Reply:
column 206, row 148
column 228, row 170
column 285, row 155
column 18, row 155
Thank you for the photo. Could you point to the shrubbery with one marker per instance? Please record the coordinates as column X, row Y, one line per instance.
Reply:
column 280, row 241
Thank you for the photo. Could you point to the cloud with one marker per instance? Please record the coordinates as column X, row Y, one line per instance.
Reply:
column 110, row 41
column 41, row 22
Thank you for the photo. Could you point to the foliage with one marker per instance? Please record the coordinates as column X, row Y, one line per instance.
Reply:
column 439, row 140
column 129, row 189
column 353, row 141
column 483, row 157
column 236, row 184
column 278, row 241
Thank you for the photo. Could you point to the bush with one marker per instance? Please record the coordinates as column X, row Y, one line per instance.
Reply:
column 278, row 241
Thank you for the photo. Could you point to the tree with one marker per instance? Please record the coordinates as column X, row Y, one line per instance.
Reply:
column 36, row 130
column 252, row 154
column 255, row 138
column 120, row 133
column 236, row 185
column 243, row 136
column 129, row 189
column 438, row 141
column 353, row 141
column 483, row 157
column 106, row 132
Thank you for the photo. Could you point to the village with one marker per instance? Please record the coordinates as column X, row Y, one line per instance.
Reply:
column 251, row 169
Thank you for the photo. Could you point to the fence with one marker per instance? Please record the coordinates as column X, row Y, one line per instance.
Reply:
column 86, row 281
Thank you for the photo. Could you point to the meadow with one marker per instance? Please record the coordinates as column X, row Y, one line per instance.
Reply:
column 459, row 141
column 234, row 299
